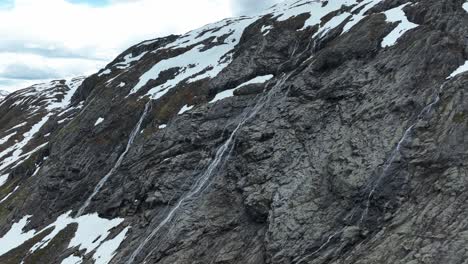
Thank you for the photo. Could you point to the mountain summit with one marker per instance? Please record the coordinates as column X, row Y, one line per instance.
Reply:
column 316, row 132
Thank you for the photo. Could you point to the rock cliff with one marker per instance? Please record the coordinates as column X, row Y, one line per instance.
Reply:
column 315, row 132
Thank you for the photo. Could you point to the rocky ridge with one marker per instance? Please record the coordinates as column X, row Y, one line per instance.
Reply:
column 315, row 132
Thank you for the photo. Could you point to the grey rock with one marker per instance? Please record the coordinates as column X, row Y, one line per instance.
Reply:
column 344, row 162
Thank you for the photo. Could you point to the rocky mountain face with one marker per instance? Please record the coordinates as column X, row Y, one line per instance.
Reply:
column 316, row 132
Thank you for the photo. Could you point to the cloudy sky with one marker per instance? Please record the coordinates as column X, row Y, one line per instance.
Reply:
column 47, row 39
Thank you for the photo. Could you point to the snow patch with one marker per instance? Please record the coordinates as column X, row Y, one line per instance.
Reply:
column 199, row 62
column 331, row 24
column 459, row 70
column 184, row 109
column 73, row 85
column 18, row 126
column 17, row 149
column 52, row 95
column 8, row 195
column 99, row 121
column 27, row 155
column 162, row 126
column 202, row 61
column 92, row 230
column 72, row 260
column 106, row 252
column 3, row 179
column 266, row 29
column 356, row 18
column 91, row 233
column 318, row 10
column 15, row 237
column 229, row 93
column 105, row 72
column 222, row 95
column 128, row 59
column 6, row 138
column 397, row 15
column 465, row 6
column 36, row 170
column 62, row 121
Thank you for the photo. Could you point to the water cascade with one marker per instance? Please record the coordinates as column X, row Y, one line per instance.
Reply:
column 424, row 112
column 119, row 161
column 222, row 154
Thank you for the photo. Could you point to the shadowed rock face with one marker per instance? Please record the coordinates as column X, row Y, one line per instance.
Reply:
column 325, row 147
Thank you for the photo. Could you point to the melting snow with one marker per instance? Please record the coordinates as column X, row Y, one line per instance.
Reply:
column 3, row 179
column 105, row 72
column 465, row 6
column 92, row 230
column 18, row 126
column 197, row 63
column 91, row 233
column 27, row 155
column 230, row 92
column 63, row 120
column 331, row 24
column 15, row 236
column 16, row 150
column 128, row 59
column 460, row 70
column 222, row 95
column 162, row 126
column 99, row 121
column 72, row 260
column 266, row 30
column 108, row 249
column 36, row 170
column 292, row 8
column 8, row 195
column 6, row 138
column 355, row 19
column 184, row 109
column 65, row 102
column 397, row 15
column 49, row 94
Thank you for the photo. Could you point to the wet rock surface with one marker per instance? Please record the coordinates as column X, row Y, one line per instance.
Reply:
column 351, row 153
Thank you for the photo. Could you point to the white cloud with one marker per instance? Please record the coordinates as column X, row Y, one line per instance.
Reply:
column 58, row 39
column 68, row 39
column 248, row 7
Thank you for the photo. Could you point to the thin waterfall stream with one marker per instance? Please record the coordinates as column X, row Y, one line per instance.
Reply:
column 222, row 154
column 119, row 161
column 427, row 109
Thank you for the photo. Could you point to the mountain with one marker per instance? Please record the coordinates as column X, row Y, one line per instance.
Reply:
column 316, row 132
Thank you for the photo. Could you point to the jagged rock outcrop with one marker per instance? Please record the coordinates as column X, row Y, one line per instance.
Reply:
column 317, row 132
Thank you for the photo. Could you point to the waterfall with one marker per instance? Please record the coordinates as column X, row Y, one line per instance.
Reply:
column 119, row 161
column 222, row 154
column 426, row 110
